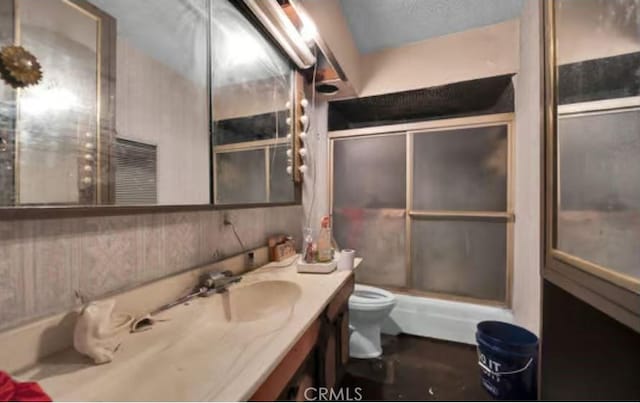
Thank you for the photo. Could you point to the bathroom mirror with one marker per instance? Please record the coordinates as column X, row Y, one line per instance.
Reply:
column 252, row 84
column 120, row 116
column 593, row 187
column 132, row 95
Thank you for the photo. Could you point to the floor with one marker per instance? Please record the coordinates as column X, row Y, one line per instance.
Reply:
column 416, row 368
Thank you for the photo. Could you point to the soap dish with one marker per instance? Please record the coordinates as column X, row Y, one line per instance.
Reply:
column 318, row 268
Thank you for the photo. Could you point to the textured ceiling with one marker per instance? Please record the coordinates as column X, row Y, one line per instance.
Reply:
column 379, row 24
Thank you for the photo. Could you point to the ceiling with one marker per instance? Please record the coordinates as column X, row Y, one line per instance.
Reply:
column 380, row 24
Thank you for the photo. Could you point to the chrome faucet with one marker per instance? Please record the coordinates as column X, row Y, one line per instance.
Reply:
column 218, row 281
column 210, row 283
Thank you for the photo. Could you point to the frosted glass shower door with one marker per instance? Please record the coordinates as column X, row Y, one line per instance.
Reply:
column 428, row 206
column 369, row 200
column 459, row 210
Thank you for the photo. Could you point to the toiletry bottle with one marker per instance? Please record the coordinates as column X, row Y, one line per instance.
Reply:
column 324, row 240
column 307, row 248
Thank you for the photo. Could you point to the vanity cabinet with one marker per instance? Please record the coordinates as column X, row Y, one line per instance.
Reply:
column 333, row 348
column 319, row 357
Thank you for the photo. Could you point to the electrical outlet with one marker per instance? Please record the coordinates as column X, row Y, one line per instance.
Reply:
column 217, row 255
column 250, row 260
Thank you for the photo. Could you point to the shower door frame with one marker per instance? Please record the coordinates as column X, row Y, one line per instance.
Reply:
column 409, row 130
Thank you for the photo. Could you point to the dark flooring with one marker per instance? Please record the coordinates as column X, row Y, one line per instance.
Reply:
column 416, row 368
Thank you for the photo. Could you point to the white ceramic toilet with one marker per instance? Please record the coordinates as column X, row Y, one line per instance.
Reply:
column 368, row 308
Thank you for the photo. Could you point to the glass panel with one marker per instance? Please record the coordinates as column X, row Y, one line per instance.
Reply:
column 57, row 118
column 370, row 172
column 241, row 177
column 598, row 49
column 599, row 189
column 252, row 85
column 378, row 235
column 280, row 182
column 465, row 258
column 129, row 69
column 162, row 90
column 464, row 169
column 251, row 79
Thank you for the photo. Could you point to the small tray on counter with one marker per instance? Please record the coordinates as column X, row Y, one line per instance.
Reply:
column 317, row 268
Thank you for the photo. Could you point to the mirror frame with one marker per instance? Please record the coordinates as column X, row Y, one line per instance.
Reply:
column 588, row 284
column 48, row 212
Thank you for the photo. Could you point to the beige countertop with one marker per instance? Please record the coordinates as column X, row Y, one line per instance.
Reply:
column 198, row 354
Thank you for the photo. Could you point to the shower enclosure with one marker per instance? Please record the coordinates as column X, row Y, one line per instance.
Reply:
column 428, row 205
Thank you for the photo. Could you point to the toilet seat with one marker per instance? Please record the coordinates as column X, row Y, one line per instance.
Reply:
column 370, row 298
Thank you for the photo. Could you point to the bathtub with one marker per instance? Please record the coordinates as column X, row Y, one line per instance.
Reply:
column 440, row 319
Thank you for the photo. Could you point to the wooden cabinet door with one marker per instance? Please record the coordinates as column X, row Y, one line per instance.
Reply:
column 333, row 345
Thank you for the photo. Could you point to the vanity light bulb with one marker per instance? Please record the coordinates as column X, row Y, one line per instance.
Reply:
column 287, row 105
column 86, row 180
column 288, row 121
column 304, row 103
column 88, row 145
column 303, row 152
column 88, row 168
column 88, row 157
column 304, row 119
column 303, row 135
column 288, row 136
column 289, row 153
column 303, row 169
column 289, row 169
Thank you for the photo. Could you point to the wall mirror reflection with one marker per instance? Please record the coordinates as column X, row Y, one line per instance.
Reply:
column 120, row 115
column 252, row 84
column 596, row 208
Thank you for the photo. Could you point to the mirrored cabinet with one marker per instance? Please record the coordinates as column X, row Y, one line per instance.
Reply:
column 139, row 102
column 252, row 112
column 592, row 148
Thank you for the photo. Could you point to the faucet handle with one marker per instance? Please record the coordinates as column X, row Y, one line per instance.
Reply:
column 211, row 279
column 218, row 281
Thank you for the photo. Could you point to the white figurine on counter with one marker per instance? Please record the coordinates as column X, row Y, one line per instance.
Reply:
column 95, row 333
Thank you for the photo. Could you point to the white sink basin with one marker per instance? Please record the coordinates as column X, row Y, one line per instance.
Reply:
column 261, row 300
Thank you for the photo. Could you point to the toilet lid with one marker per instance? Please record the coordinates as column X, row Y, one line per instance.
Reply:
column 364, row 295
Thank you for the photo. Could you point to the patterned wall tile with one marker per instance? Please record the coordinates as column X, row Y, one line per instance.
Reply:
column 109, row 254
column 12, row 285
column 53, row 250
column 210, row 226
column 153, row 263
column 250, row 226
column 285, row 220
column 181, row 238
column 43, row 262
column 219, row 237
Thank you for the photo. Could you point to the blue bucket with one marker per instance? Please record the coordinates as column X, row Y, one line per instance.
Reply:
column 508, row 357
